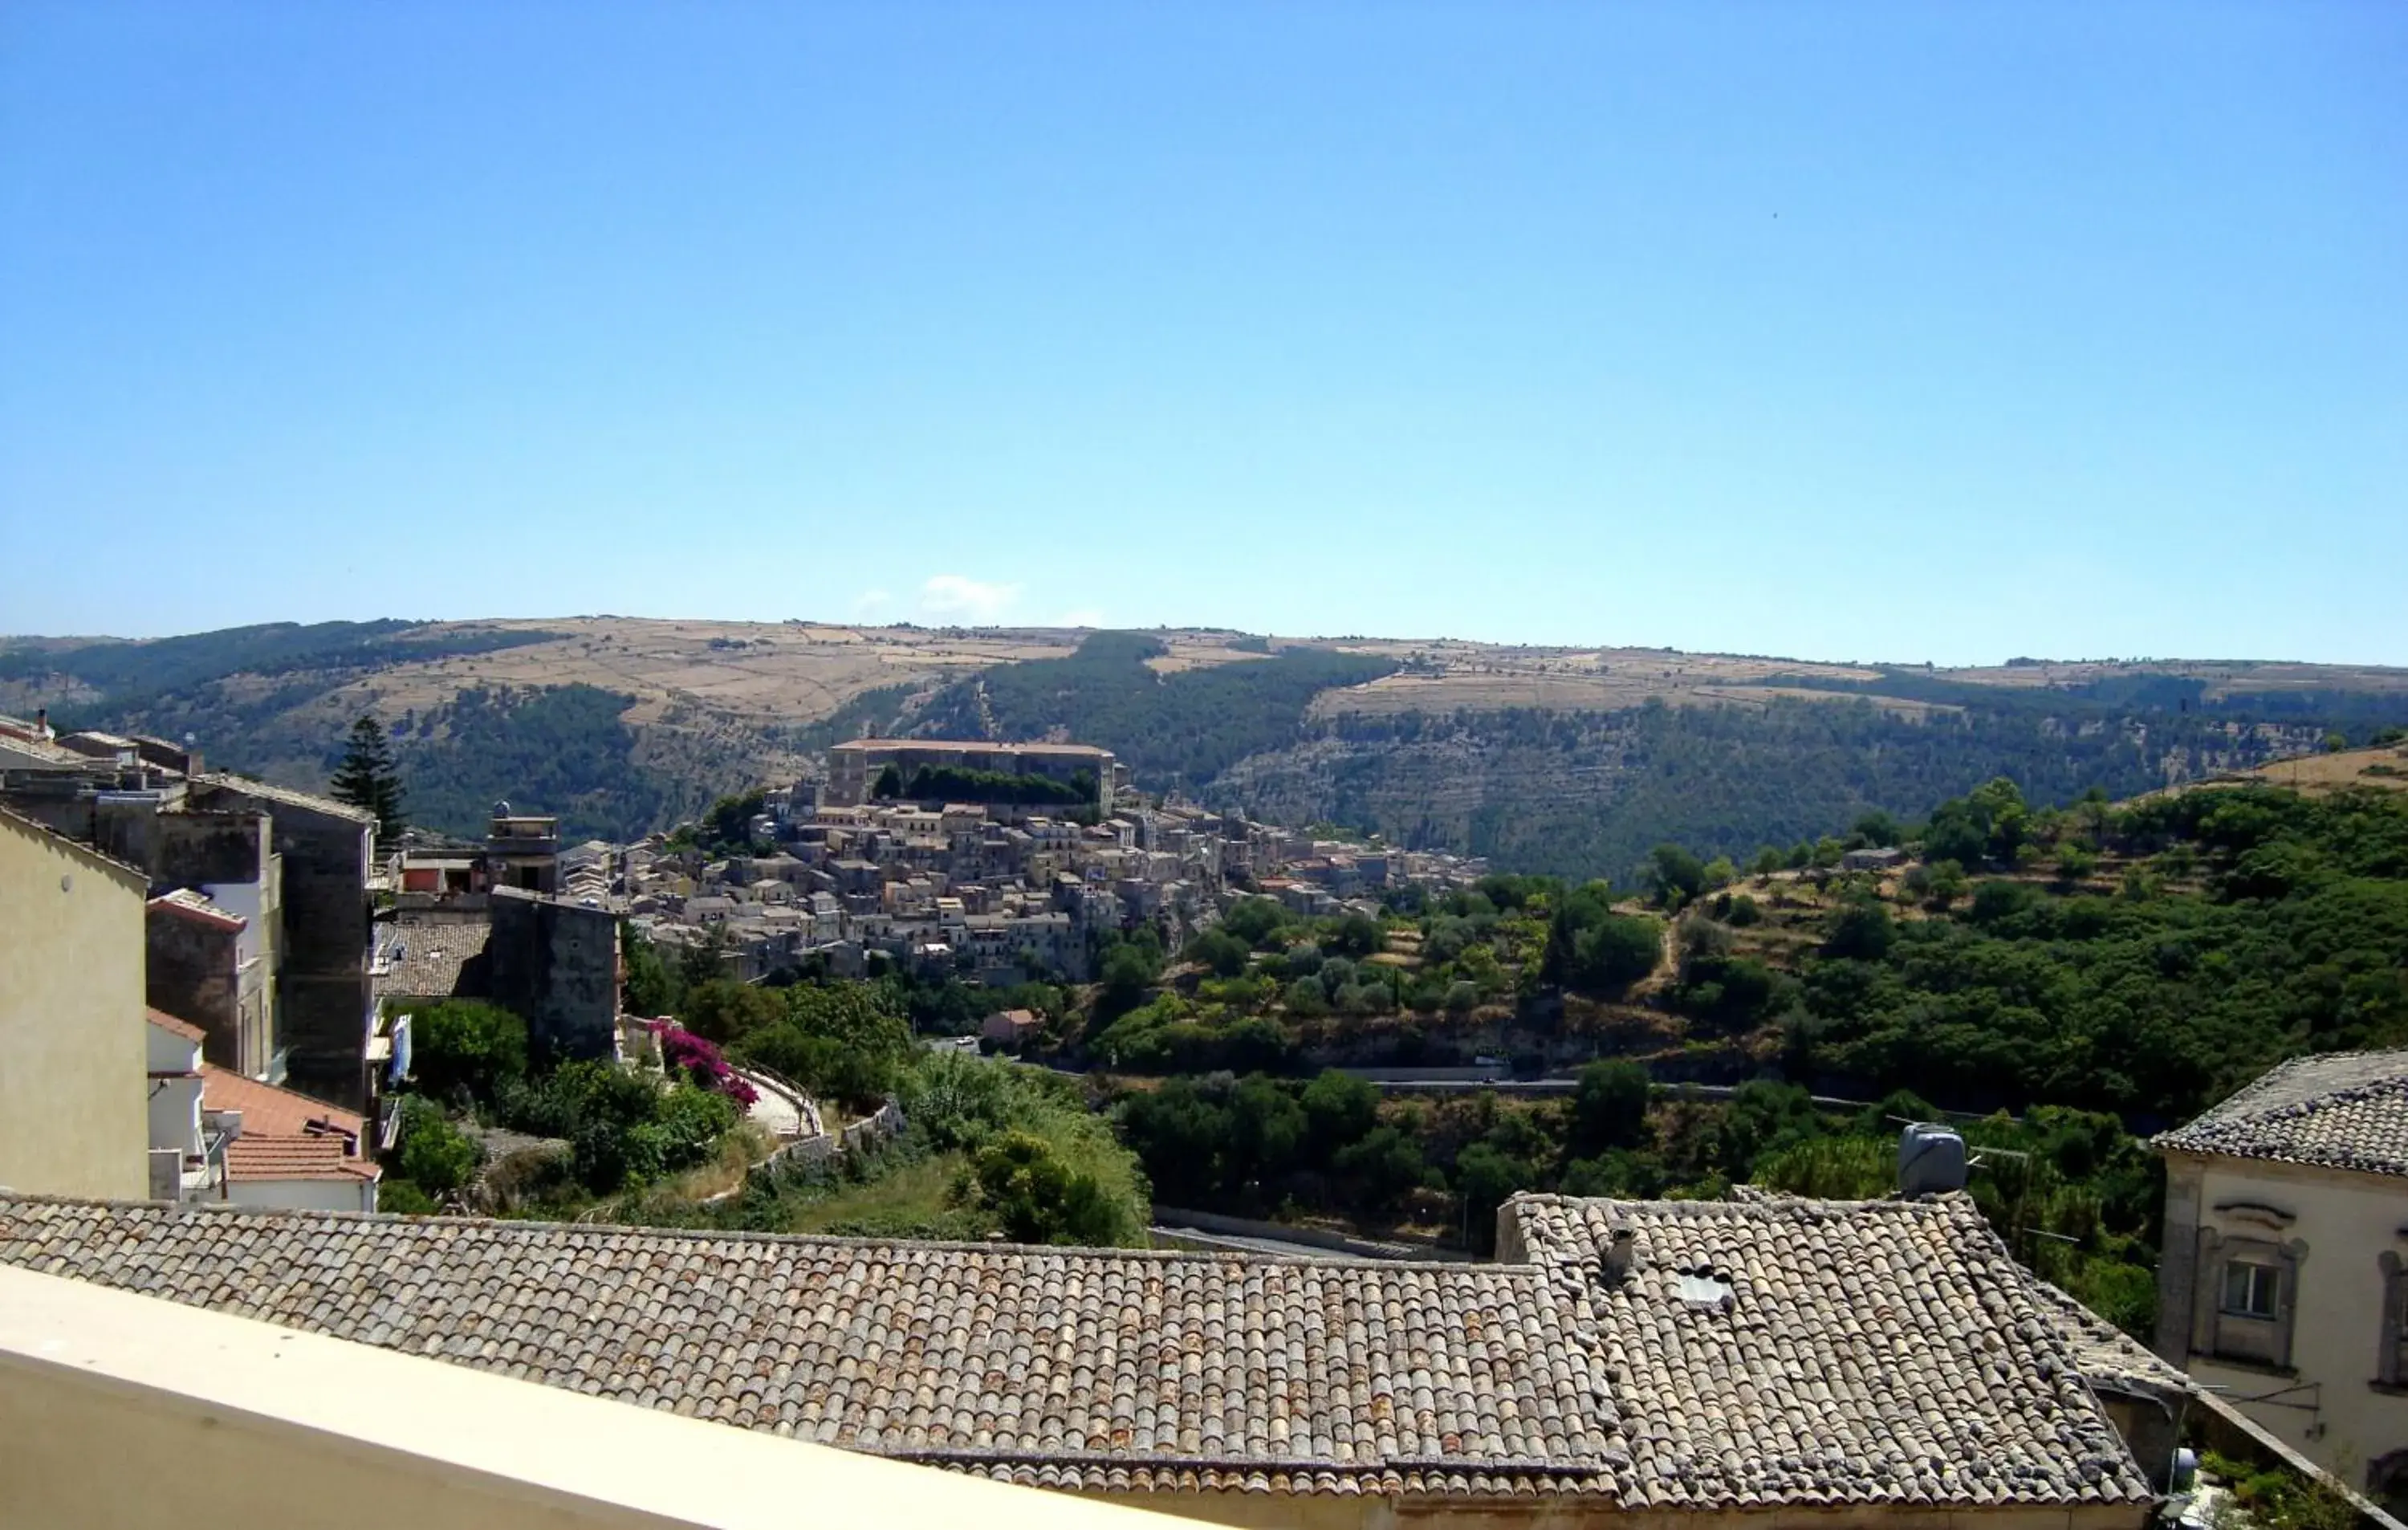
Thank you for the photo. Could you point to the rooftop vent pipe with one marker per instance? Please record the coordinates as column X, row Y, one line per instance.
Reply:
column 1620, row 1255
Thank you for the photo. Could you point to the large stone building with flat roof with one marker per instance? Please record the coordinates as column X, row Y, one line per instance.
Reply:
column 1762, row 1361
column 854, row 767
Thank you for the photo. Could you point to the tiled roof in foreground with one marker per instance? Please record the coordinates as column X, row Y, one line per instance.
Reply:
column 2341, row 1110
column 1083, row 1368
column 1771, row 1350
column 1873, row 1353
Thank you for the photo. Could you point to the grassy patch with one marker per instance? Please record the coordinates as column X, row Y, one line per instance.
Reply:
column 914, row 1192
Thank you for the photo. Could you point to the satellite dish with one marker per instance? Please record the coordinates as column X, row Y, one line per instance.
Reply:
column 502, row 809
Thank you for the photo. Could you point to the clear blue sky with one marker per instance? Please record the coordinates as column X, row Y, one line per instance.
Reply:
column 1918, row 331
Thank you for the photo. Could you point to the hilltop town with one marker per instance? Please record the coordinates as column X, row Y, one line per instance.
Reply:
column 773, row 1018
column 999, row 890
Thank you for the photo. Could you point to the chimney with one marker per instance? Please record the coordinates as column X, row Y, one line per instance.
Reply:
column 1620, row 1256
column 42, row 725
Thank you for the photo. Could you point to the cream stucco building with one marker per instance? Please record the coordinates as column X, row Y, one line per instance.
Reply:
column 73, row 1049
column 2285, row 1280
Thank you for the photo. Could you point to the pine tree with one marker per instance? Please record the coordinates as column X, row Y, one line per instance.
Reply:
column 368, row 780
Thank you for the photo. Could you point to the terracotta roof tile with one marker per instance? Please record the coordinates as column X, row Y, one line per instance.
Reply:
column 268, row 791
column 169, row 1024
column 1278, row 1374
column 269, row 1111
column 1871, row 1352
column 2343, row 1110
column 2108, row 1356
column 252, row 1158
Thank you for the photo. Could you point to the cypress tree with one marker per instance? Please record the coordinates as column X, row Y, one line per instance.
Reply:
column 368, row 781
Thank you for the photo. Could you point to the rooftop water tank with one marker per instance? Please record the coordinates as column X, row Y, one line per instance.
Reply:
column 1930, row 1159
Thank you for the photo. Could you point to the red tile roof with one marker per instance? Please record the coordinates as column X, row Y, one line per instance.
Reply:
column 173, row 1026
column 269, row 1111
column 255, row 1158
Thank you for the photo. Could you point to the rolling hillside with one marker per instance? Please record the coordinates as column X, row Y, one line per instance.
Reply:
column 1562, row 760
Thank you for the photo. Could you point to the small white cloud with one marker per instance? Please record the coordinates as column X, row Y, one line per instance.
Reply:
column 1080, row 619
column 955, row 595
column 870, row 602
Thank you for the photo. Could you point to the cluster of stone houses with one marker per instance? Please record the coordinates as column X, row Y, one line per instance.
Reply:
column 994, row 892
column 259, row 933
column 183, row 978
column 258, row 897
column 512, row 918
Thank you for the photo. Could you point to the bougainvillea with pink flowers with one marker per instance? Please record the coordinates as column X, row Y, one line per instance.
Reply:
column 685, row 1053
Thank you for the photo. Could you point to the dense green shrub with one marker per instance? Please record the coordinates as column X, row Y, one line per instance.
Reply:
column 623, row 1128
column 1608, row 1107
column 846, row 1041
column 402, row 1198
column 467, row 1048
column 437, row 1157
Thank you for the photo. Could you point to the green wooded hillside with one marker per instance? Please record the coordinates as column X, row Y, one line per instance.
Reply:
column 2088, row 974
column 1587, row 794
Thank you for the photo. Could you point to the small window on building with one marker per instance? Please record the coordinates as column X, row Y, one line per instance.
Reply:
column 2248, row 1298
column 2251, row 1291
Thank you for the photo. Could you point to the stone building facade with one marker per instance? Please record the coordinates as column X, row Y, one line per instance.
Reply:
column 327, row 854
column 556, row 962
column 2283, row 1284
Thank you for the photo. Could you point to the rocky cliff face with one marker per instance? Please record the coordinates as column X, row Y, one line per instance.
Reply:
column 1590, row 793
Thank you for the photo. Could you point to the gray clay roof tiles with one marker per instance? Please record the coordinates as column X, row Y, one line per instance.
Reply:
column 1868, row 1351
column 2346, row 1110
column 2110, row 1358
column 1378, row 1377
column 1872, row 1351
column 434, row 953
